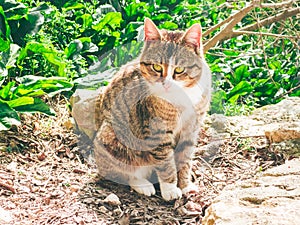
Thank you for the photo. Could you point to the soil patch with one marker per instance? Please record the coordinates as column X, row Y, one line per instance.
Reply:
column 46, row 177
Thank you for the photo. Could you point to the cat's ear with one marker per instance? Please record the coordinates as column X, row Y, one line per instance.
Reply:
column 151, row 31
column 193, row 35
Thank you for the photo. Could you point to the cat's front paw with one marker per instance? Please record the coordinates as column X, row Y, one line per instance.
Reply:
column 142, row 186
column 170, row 191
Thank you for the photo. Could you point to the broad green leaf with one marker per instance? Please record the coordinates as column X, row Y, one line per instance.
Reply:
column 162, row 16
column 259, row 82
column 240, row 89
column 231, row 53
column 169, row 25
column 275, row 65
column 73, row 5
column 132, row 10
column 36, row 86
column 29, row 93
column 87, row 21
column 51, row 54
column 5, row 30
column 21, row 101
column 8, row 117
column 36, row 19
column 113, row 19
column 88, row 45
column 8, row 59
column 217, row 103
column 13, row 55
column 4, row 45
column 85, row 39
column 5, row 92
column 37, row 105
column 239, row 74
column 14, row 10
column 74, row 47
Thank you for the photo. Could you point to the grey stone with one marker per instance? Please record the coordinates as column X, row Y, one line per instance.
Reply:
column 272, row 198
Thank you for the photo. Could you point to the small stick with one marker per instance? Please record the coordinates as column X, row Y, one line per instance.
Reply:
column 7, row 187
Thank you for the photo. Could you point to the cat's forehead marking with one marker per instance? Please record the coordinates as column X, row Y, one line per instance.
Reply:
column 170, row 67
column 171, row 36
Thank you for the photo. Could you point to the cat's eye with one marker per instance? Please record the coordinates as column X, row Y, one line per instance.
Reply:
column 179, row 69
column 157, row 67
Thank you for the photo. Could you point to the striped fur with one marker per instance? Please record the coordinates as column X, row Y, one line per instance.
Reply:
column 148, row 122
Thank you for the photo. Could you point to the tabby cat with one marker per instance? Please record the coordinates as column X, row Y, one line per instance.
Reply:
column 149, row 116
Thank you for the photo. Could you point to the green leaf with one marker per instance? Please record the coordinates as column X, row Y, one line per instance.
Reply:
column 37, row 105
column 87, row 21
column 73, row 48
column 8, row 59
column 169, row 25
column 5, row 30
column 5, row 92
column 217, row 102
column 231, row 53
column 72, row 5
column 240, row 73
column 14, row 10
column 13, row 55
column 21, row 101
column 162, row 16
column 240, row 89
column 134, row 9
column 51, row 54
column 36, row 86
column 274, row 65
column 4, row 45
column 8, row 117
column 113, row 19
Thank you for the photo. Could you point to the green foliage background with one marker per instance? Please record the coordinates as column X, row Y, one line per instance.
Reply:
column 50, row 47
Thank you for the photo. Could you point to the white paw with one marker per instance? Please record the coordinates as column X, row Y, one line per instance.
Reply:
column 142, row 186
column 190, row 188
column 170, row 191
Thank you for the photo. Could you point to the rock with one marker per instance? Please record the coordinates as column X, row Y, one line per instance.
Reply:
column 283, row 131
column 279, row 123
column 83, row 110
column 288, row 110
column 103, row 209
column 219, row 122
column 112, row 199
column 271, row 198
column 74, row 188
column 289, row 149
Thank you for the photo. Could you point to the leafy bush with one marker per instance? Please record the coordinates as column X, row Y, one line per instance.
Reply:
column 47, row 47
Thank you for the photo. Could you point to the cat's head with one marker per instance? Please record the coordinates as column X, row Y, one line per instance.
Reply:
column 171, row 59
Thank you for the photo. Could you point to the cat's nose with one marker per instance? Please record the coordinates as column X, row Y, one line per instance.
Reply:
column 166, row 84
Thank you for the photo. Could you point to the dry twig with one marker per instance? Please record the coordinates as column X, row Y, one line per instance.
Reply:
column 228, row 32
column 7, row 187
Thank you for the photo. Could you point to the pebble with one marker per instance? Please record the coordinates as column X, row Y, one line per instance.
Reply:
column 112, row 199
column 75, row 188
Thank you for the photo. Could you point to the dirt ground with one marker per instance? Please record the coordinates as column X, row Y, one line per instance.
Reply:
column 47, row 178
